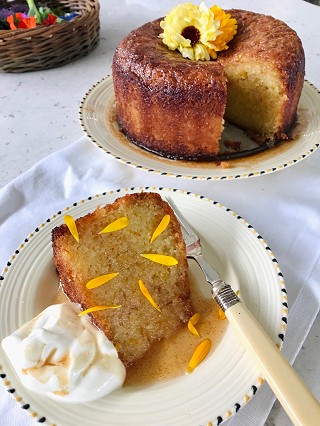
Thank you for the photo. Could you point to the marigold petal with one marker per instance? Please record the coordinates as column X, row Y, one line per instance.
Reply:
column 191, row 324
column 199, row 355
column 147, row 295
column 100, row 280
column 160, row 258
column 192, row 329
column 10, row 20
column 221, row 314
column 27, row 22
column 161, row 227
column 98, row 308
column 71, row 224
column 120, row 223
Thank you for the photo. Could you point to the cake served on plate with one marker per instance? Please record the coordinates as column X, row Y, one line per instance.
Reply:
column 108, row 261
column 175, row 106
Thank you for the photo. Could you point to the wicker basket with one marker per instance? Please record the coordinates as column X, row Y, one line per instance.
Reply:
column 46, row 47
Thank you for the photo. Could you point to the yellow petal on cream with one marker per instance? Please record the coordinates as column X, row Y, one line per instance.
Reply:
column 221, row 314
column 191, row 324
column 160, row 258
column 147, row 295
column 161, row 227
column 199, row 355
column 120, row 223
column 102, row 279
column 98, row 308
column 71, row 224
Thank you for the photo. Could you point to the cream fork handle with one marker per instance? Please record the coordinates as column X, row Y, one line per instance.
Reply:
column 295, row 397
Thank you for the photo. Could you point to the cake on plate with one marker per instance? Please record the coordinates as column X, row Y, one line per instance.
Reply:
column 113, row 269
column 176, row 107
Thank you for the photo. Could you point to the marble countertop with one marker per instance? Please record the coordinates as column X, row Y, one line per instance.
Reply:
column 39, row 111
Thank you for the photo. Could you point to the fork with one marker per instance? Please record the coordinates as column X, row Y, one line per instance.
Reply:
column 300, row 404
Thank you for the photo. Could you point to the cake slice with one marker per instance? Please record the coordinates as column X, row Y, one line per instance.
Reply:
column 137, row 323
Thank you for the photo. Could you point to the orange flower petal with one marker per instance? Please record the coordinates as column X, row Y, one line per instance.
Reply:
column 221, row 314
column 98, row 308
column 199, row 355
column 102, row 279
column 10, row 20
column 160, row 258
column 27, row 22
column 161, row 227
column 71, row 224
column 191, row 324
column 120, row 223
column 147, row 295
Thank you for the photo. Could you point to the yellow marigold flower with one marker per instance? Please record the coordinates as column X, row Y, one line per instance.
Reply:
column 197, row 31
column 190, row 29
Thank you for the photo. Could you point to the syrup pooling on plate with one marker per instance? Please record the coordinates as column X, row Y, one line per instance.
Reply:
column 169, row 358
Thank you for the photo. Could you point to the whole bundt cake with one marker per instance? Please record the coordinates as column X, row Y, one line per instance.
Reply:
column 176, row 107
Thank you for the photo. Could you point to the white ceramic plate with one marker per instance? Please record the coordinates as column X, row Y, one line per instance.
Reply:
column 97, row 119
column 223, row 382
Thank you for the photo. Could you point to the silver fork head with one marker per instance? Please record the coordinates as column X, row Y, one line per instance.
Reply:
column 191, row 239
column 222, row 292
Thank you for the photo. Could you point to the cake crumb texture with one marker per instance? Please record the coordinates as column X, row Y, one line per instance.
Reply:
column 137, row 324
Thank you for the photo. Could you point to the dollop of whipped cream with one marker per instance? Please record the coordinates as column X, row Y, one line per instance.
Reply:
column 64, row 356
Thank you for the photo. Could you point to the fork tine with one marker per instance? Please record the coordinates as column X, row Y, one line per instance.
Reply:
column 184, row 224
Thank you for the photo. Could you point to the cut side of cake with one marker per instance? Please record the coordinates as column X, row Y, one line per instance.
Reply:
column 265, row 68
column 176, row 107
column 135, row 324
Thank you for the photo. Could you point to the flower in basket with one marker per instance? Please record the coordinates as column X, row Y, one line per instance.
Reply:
column 198, row 32
column 24, row 16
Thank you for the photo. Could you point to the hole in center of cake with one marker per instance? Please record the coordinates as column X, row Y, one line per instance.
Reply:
column 191, row 33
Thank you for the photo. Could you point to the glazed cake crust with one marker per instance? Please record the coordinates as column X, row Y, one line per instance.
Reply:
column 172, row 101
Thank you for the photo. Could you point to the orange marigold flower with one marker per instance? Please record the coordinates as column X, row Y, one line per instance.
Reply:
column 228, row 28
column 26, row 23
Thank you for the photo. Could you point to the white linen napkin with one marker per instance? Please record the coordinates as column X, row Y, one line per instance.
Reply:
column 283, row 207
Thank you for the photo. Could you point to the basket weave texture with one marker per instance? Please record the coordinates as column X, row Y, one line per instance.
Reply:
column 46, row 47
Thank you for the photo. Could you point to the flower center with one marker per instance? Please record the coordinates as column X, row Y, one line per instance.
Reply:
column 191, row 33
